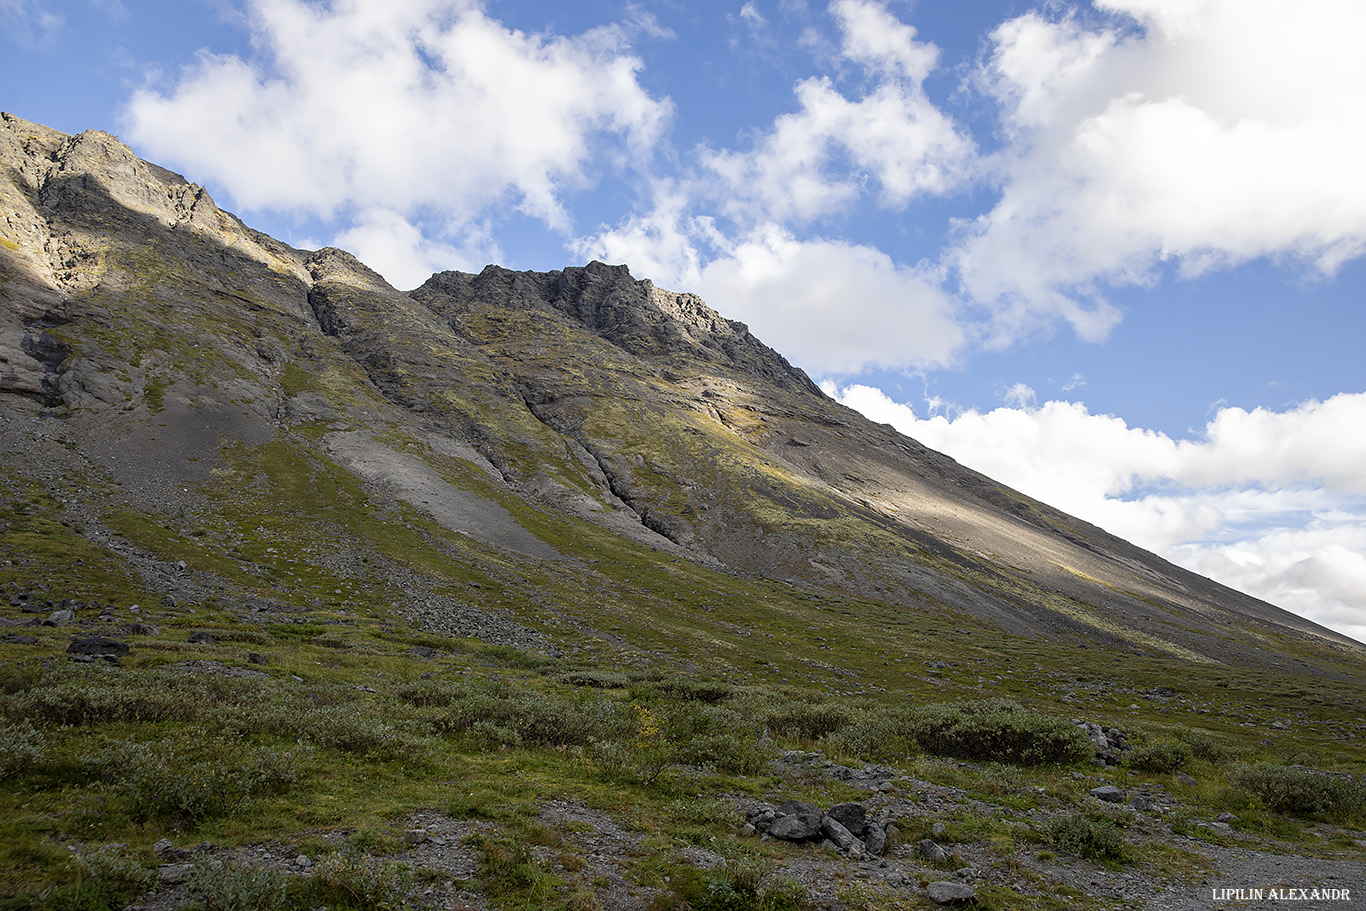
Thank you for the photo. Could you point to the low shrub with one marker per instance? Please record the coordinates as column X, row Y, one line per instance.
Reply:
column 1161, row 756
column 1086, row 836
column 350, row 879
column 997, row 730
column 359, row 728
column 1303, row 792
column 683, row 689
column 1204, row 747
column 166, row 782
column 601, row 680
column 107, row 878
column 217, row 886
column 808, row 721
column 748, row 884
column 877, row 734
column 508, row 868
column 21, row 748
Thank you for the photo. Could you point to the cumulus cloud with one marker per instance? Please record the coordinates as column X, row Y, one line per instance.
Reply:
column 832, row 306
column 1271, row 503
column 398, row 249
column 817, row 160
column 413, row 106
column 1215, row 134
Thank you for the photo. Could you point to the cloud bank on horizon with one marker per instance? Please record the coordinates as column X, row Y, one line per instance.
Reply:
column 1073, row 154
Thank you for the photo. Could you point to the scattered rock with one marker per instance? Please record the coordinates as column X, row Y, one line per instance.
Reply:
column 1108, row 793
column 853, row 816
column 203, row 637
column 796, row 821
column 875, row 840
column 257, row 658
column 174, row 874
column 832, row 829
column 98, row 647
column 18, row 639
column 946, row 893
column 57, row 618
column 933, row 852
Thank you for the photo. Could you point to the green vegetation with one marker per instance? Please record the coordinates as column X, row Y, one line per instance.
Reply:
column 1304, row 792
column 1092, row 837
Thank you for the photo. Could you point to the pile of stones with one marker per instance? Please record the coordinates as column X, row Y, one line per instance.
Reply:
column 845, row 827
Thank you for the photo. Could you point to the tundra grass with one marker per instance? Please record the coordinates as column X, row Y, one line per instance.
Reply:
column 692, row 645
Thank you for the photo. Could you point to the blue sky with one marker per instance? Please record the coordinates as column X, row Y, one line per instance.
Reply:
column 1110, row 253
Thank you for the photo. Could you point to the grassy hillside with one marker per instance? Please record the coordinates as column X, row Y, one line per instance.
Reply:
column 537, row 590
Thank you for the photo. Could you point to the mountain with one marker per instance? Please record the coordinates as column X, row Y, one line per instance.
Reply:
column 553, row 590
column 164, row 344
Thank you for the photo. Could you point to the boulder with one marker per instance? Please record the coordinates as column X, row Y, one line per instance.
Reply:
column 875, row 840
column 98, row 646
column 853, row 816
column 832, row 829
column 946, row 893
column 796, row 821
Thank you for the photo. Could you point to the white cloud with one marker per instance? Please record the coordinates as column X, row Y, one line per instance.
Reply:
column 831, row 306
column 401, row 252
column 1271, row 503
column 412, row 106
column 816, row 161
column 1224, row 131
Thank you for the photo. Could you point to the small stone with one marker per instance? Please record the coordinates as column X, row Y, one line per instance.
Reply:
column 303, row 861
column 57, row 618
column 944, row 893
column 414, row 837
column 1184, row 779
column 203, row 637
column 1225, row 817
column 257, row 658
column 1078, row 776
column 932, row 851
column 748, row 830
column 1108, row 793
column 937, row 830
column 174, row 874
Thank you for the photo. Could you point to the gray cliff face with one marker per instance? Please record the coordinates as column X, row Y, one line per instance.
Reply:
column 636, row 316
column 169, row 342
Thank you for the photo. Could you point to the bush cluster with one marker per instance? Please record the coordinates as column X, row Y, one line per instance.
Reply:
column 1303, row 792
column 156, row 781
column 1161, row 756
column 997, row 730
column 21, row 748
column 1085, row 836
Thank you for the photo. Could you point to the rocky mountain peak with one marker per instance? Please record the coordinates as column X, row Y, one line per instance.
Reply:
column 635, row 315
